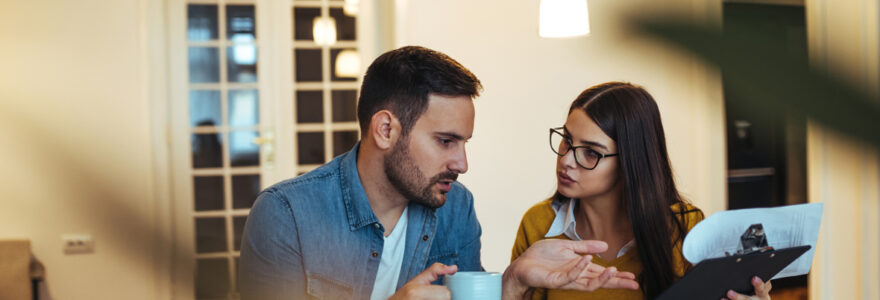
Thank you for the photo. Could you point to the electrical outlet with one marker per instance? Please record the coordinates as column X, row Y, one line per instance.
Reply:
column 78, row 244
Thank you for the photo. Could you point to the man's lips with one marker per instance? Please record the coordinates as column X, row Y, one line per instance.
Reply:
column 445, row 185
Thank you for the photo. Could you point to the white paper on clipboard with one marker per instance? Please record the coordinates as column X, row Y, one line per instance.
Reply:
column 785, row 227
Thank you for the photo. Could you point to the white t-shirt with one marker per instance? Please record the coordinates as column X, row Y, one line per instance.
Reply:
column 392, row 259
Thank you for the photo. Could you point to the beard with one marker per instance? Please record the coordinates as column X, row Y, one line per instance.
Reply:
column 406, row 177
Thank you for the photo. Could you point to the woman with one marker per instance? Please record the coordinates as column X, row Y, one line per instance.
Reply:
column 615, row 184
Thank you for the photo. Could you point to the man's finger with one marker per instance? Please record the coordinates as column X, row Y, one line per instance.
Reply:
column 626, row 275
column 433, row 273
column 588, row 247
column 432, row 292
column 602, row 280
column 621, row 283
column 578, row 269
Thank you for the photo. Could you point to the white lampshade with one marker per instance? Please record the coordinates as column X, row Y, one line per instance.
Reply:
column 348, row 64
column 351, row 7
column 324, row 31
column 563, row 18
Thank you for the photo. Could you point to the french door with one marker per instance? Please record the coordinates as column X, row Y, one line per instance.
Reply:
column 254, row 99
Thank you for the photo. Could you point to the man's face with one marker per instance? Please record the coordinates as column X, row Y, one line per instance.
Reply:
column 423, row 165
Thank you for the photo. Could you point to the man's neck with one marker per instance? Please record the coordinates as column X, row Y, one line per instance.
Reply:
column 387, row 204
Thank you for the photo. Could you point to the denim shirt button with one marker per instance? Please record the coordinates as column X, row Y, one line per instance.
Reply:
column 376, row 225
column 425, row 238
column 375, row 254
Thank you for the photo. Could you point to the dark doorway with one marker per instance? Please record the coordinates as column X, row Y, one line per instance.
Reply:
column 766, row 152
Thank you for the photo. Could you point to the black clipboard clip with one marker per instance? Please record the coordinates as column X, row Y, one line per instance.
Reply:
column 712, row 278
column 753, row 240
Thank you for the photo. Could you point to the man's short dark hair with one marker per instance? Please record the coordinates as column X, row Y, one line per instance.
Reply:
column 400, row 81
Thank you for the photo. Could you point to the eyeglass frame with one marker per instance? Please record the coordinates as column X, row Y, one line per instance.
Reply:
column 571, row 147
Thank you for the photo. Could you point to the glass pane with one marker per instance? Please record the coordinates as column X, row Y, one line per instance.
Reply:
column 241, row 63
column 244, row 108
column 242, row 150
column 207, row 150
column 210, row 235
column 307, row 64
column 311, row 147
column 240, row 22
column 333, row 54
column 238, row 226
column 201, row 22
column 309, row 107
column 344, row 106
column 208, row 192
column 204, row 108
column 204, row 64
column 302, row 22
column 343, row 141
column 244, row 190
column 212, row 278
column 345, row 25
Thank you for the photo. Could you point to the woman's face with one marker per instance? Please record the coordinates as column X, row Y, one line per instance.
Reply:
column 577, row 182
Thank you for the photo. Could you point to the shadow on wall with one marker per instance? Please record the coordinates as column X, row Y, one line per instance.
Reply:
column 770, row 81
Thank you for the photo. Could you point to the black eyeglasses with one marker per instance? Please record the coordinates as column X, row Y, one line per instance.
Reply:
column 584, row 156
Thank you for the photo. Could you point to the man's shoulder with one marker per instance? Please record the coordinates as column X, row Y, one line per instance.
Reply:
column 313, row 183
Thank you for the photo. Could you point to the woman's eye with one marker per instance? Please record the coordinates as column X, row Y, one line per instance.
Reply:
column 593, row 153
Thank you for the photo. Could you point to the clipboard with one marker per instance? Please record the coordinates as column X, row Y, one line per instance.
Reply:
column 712, row 278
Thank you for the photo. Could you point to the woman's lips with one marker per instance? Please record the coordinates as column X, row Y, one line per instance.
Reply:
column 564, row 179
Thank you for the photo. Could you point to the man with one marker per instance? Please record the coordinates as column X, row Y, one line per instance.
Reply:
column 389, row 218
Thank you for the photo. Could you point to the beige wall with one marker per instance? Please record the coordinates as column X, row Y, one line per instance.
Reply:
column 75, row 126
column 842, row 173
column 529, row 83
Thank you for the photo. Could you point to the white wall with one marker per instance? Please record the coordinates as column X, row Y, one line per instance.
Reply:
column 530, row 82
column 76, row 143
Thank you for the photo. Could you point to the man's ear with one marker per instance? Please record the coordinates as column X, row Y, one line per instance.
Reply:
column 384, row 129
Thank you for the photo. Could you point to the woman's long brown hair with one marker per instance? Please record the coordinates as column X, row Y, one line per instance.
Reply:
column 629, row 115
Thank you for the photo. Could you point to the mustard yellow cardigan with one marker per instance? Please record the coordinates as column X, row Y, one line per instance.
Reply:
column 535, row 224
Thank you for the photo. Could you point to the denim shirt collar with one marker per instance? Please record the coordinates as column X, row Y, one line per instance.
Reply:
column 357, row 206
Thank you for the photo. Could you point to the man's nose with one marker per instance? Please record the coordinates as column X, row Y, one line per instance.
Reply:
column 459, row 162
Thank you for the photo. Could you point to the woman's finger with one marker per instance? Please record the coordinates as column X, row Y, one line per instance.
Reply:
column 737, row 296
column 762, row 290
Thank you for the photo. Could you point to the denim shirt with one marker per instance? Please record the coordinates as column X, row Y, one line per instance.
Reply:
column 316, row 237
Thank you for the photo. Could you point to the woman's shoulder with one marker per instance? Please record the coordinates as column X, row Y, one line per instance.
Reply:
column 687, row 213
column 534, row 225
column 539, row 217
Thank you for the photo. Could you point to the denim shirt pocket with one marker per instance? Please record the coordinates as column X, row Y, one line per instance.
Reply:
column 323, row 287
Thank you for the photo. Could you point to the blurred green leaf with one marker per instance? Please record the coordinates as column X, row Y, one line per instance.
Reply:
column 770, row 81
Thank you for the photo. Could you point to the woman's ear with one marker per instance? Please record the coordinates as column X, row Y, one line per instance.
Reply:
column 384, row 129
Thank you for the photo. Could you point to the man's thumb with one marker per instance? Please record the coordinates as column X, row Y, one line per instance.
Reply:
column 433, row 273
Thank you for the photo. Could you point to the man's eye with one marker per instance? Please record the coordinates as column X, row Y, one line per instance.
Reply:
column 445, row 141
